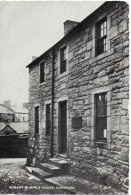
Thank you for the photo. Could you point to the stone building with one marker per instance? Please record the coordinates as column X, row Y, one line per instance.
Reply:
column 78, row 97
column 21, row 114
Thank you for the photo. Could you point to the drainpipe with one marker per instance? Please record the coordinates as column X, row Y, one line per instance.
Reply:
column 52, row 122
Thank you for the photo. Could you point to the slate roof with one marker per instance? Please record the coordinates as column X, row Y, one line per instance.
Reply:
column 4, row 110
column 7, row 129
column 19, row 127
column 20, row 110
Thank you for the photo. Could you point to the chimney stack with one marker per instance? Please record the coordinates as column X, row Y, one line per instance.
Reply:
column 7, row 104
column 69, row 25
column 33, row 58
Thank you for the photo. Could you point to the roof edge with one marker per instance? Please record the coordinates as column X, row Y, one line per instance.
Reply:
column 77, row 27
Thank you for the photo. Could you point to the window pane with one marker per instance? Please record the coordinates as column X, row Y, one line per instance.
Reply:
column 101, row 124
column 63, row 53
column 42, row 72
column 101, row 115
column 101, row 37
column 36, row 120
column 104, row 24
column 104, row 31
column 105, row 44
column 63, row 60
column 63, row 66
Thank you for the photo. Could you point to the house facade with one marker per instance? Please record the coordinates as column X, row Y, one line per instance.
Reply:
column 21, row 114
column 78, row 97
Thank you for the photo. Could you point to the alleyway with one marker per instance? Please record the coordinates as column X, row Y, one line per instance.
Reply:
column 14, row 179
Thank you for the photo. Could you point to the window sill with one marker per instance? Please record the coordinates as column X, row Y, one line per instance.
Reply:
column 63, row 74
column 103, row 55
column 42, row 84
column 102, row 145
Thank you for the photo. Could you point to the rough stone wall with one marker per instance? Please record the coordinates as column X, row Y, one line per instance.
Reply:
column 87, row 72
column 39, row 145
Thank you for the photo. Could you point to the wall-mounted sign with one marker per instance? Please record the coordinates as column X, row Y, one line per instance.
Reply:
column 76, row 122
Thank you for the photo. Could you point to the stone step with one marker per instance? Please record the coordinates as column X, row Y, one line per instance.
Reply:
column 40, row 173
column 61, row 163
column 62, row 156
column 51, row 169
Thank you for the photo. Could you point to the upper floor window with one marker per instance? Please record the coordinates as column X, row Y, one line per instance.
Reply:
column 42, row 72
column 101, row 116
column 63, row 60
column 101, row 36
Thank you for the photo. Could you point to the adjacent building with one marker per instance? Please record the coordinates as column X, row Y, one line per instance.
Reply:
column 13, row 113
column 13, row 139
column 6, row 114
column 21, row 114
column 78, row 97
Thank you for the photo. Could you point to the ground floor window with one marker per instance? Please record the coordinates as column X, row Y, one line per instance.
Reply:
column 101, row 116
column 48, row 119
column 37, row 120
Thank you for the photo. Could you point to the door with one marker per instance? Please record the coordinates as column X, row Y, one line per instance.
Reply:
column 63, row 126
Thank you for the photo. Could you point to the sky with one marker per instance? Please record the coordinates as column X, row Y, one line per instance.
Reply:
column 28, row 29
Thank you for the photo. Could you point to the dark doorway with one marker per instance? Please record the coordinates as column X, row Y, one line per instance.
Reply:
column 63, row 126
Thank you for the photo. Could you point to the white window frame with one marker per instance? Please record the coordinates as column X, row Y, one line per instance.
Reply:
column 46, row 103
column 44, row 71
column 59, row 60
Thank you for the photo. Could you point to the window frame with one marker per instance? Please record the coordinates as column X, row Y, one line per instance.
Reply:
column 101, row 40
column 94, row 142
column 47, row 133
column 42, row 71
column 63, row 60
column 99, row 117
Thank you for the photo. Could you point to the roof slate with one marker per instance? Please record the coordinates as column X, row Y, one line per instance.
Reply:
column 20, row 110
column 4, row 110
column 19, row 127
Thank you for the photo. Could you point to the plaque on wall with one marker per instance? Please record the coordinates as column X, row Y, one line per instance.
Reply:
column 76, row 122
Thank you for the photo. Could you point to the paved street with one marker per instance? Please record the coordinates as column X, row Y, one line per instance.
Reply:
column 14, row 179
